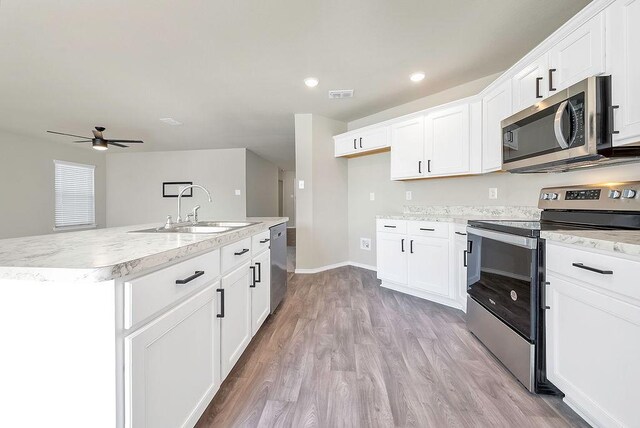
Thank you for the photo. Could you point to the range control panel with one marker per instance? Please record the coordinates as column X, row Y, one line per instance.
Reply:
column 608, row 196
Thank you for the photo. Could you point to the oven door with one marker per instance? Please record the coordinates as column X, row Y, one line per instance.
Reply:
column 502, row 277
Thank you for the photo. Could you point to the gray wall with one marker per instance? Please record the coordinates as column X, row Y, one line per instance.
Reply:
column 134, row 185
column 321, row 207
column 27, row 183
column 262, row 186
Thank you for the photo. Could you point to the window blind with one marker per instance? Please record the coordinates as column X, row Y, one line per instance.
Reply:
column 75, row 194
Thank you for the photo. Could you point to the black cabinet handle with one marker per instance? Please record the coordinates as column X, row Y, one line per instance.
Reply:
column 427, row 230
column 253, row 277
column 420, row 167
column 464, row 259
column 429, row 165
column 239, row 253
column 190, row 278
column 259, row 272
column 411, row 246
column 460, row 233
column 612, row 118
column 592, row 269
column 354, row 144
column 264, row 241
column 360, row 142
column 551, row 88
column 538, row 80
column 390, row 227
column 402, row 245
column 221, row 291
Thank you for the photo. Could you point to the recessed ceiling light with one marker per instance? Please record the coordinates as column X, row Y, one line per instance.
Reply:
column 416, row 77
column 311, row 82
column 170, row 121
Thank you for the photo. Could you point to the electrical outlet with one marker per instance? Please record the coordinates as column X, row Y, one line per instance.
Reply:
column 408, row 195
column 372, row 196
column 300, row 184
column 238, row 192
column 365, row 244
column 493, row 193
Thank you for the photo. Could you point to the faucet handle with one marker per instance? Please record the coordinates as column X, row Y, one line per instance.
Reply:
column 169, row 223
column 195, row 213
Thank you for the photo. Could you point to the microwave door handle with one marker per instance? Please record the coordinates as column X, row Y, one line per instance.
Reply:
column 557, row 125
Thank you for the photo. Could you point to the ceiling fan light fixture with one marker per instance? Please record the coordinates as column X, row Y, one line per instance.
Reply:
column 99, row 144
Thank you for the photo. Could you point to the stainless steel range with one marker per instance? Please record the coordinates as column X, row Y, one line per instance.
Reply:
column 506, row 268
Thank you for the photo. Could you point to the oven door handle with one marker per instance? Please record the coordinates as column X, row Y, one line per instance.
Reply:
column 520, row 241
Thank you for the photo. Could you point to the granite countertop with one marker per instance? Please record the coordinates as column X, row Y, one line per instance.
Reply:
column 617, row 241
column 106, row 254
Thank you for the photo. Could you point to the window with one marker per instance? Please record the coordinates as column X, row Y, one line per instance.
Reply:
column 75, row 195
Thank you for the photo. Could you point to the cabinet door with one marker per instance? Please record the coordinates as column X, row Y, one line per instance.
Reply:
column 345, row 146
column 592, row 348
column 172, row 365
column 429, row 265
column 235, row 325
column 407, row 149
column 623, row 62
column 260, row 291
column 577, row 56
column 460, row 269
column 392, row 257
column 530, row 84
column 447, row 141
column 496, row 106
column 374, row 139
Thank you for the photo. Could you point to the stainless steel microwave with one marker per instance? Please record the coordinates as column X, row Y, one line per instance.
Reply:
column 568, row 130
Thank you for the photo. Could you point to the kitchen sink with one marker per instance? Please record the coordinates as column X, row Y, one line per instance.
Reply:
column 202, row 227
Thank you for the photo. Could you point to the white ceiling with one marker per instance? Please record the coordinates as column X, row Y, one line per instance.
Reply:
column 232, row 70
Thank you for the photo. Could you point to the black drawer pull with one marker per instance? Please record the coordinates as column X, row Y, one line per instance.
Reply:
column 253, row 277
column 239, row 253
column 191, row 278
column 390, row 227
column 264, row 241
column 221, row 291
column 427, row 229
column 259, row 264
column 460, row 233
column 464, row 261
column 592, row 269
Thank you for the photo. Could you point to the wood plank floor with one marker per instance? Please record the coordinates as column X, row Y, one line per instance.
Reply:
column 343, row 352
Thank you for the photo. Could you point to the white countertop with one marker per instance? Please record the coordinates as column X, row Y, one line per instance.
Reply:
column 462, row 214
column 617, row 241
column 106, row 254
column 458, row 219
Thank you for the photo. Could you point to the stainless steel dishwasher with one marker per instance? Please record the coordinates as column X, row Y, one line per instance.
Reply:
column 278, row 264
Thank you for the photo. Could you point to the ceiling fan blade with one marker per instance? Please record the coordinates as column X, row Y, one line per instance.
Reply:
column 127, row 141
column 116, row 144
column 68, row 135
column 83, row 141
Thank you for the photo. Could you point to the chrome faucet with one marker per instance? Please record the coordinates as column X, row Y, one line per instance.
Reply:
column 195, row 210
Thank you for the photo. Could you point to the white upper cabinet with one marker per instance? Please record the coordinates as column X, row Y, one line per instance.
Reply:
column 529, row 84
column 362, row 142
column 496, row 106
column 447, row 141
column 623, row 62
column 577, row 56
column 407, row 149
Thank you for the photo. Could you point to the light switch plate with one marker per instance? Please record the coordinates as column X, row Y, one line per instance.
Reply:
column 238, row 192
column 493, row 193
column 408, row 195
column 372, row 196
column 300, row 184
column 365, row 244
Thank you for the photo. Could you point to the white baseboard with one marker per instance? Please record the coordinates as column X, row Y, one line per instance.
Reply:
column 334, row 266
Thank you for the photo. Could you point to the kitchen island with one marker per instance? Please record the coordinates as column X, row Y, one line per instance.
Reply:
column 118, row 329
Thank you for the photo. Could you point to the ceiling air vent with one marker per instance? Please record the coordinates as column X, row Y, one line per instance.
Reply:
column 342, row 93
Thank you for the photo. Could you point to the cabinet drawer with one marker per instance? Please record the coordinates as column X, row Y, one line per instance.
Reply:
column 146, row 295
column 260, row 242
column 622, row 281
column 235, row 254
column 433, row 229
column 391, row 226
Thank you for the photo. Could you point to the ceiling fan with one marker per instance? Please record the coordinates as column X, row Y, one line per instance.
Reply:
column 98, row 141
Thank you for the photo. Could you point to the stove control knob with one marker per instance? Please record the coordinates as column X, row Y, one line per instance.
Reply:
column 553, row 196
column 614, row 194
column 629, row 193
column 544, row 196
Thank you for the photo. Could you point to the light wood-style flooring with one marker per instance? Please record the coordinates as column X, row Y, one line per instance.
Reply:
column 343, row 352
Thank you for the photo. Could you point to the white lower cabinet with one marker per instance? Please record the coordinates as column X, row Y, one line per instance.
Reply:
column 235, row 319
column 593, row 335
column 416, row 258
column 260, row 290
column 172, row 365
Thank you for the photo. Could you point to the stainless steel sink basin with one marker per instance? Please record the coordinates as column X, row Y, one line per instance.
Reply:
column 202, row 227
